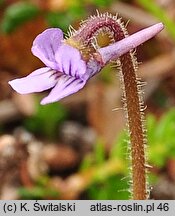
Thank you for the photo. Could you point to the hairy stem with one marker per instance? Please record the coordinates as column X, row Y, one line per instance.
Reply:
column 132, row 104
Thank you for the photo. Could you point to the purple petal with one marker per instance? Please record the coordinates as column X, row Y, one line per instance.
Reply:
column 70, row 61
column 65, row 86
column 40, row 80
column 45, row 46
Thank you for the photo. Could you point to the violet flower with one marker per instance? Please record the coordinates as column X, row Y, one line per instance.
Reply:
column 66, row 72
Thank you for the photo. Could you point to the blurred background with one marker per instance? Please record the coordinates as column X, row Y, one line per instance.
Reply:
column 78, row 148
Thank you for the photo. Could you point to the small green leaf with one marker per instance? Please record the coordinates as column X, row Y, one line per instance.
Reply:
column 102, row 3
column 113, row 188
column 17, row 14
column 60, row 20
column 37, row 192
column 151, row 127
column 46, row 120
column 99, row 153
column 87, row 162
column 158, row 12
